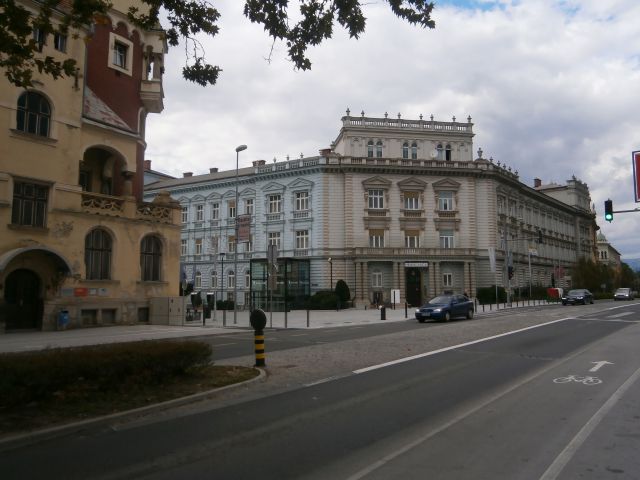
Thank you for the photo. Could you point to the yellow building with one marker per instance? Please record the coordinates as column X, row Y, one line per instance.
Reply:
column 75, row 235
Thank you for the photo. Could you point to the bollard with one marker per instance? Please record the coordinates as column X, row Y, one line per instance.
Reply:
column 383, row 313
column 307, row 318
column 258, row 321
column 406, row 313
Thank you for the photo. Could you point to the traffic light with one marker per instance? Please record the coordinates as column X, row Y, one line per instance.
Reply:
column 540, row 237
column 608, row 210
column 510, row 272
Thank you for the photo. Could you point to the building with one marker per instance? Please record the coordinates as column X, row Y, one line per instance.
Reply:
column 151, row 175
column 75, row 235
column 399, row 209
column 607, row 254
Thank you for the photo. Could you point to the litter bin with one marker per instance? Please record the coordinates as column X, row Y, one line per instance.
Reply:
column 63, row 319
column 383, row 312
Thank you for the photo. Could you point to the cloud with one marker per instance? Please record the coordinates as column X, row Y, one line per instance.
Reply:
column 551, row 87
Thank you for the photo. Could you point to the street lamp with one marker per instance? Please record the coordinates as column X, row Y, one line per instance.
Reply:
column 331, row 273
column 224, row 317
column 235, row 256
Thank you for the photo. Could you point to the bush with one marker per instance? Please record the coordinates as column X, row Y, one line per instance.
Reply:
column 34, row 376
column 326, row 300
column 343, row 292
column 487, row 295
column 224, row 304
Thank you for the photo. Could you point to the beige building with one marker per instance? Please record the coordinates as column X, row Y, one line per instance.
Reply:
column 607, row 254
column 75, row 235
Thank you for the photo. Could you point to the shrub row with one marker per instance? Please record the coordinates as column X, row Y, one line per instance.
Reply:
column 33, row 376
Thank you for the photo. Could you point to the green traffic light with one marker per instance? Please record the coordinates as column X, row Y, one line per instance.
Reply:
column 608, row 210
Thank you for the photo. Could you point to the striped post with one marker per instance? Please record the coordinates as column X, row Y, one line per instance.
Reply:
column 259, row 348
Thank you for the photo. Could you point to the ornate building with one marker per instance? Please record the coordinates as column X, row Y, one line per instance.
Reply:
column 394, row 206
column 75, row 235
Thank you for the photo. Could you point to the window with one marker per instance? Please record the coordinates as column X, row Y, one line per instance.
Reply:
column 445, row 201
column 447, row 153
column 302, row 201
column 232, row 209
column 446, row 239
column 411, row 200
column 60, row 42
column 197, row 282
column 370, row 148
column 214, row 279
column 447, row 279
column 376, row 198
column 412, row 239
column 248, row 206
column 275, row 203
column 185, row 214
column 215, row 211
column 40, row 37
column 183, row 247
column 97, row 255
column 302, row 239
column 248, row 245
column 247, row 281
column 33, row 114
column 405, row 150
column 213, row 245
column 231, row 279
column 120, row 52
column 198, row 246
column 29, row 204
column 440, row 152
column 376, row 279
column 199, row 213
column 379, row 149
column 274, row 239
column 376, row 238
column 231, row 244
column 150, row 258
column 414, row 150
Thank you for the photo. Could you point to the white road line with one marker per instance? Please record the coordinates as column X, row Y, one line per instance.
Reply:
column 567, row 454
column 223, row 344
column 623, row 314
column 300, row 335
column 434, row 352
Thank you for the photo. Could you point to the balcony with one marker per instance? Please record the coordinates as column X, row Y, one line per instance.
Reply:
column 99, row 204
column 411, row 253
column 151, row 95
column 107, row 205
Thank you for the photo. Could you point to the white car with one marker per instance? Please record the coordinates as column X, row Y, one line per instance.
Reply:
column 623, row 294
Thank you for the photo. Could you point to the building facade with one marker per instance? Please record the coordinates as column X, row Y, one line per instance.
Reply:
column 399, row 209
column 75, row 234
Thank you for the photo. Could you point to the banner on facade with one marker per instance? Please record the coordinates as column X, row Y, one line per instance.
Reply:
column 244, row 228
column 416, row 264
column 636, row 175
column 492, row 259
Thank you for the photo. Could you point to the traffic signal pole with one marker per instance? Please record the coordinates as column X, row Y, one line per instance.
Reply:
column 609, row 211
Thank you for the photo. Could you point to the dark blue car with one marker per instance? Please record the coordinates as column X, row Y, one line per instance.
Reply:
column 446, row 307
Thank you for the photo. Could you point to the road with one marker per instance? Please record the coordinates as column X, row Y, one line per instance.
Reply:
column 557, row 399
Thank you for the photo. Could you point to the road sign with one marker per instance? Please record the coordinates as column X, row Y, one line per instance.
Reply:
column 636, row 175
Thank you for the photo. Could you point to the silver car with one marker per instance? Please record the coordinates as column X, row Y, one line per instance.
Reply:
column 623, row 294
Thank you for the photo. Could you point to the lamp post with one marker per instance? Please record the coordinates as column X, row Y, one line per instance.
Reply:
column 224, row 317
column 239, row 148
column 330, row 273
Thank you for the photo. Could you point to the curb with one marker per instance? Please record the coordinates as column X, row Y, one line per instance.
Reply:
column 24, row 439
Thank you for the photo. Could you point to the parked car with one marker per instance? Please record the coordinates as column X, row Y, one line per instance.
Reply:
column 446, row 307
column 574, row 297
column 624, row 294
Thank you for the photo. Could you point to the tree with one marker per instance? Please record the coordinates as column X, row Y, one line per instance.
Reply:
column 20, row 53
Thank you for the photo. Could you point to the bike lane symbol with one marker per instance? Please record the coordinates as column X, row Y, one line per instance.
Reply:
column 586, row 380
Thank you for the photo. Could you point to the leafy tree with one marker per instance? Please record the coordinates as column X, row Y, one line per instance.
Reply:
column 343, row 292
column 20, row 54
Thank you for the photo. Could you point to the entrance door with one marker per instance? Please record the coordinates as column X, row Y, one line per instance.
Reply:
column 22, row 298
column 414, row 287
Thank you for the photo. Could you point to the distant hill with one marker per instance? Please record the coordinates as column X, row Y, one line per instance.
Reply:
column 634, row 263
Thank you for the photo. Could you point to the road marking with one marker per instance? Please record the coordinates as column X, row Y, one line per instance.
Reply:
column 599, row 365
column 578, row 379
column 454, row 347
column 300, row 335
column 572, row 447
column 224, row 344
column 623, row 314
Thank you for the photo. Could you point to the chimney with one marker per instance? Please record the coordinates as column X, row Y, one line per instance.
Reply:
column 187, row 174
column 537, row 183
column 213, row 170
column 259, row 163
column 147, row 165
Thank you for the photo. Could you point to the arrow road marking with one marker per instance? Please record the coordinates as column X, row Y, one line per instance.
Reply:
column 599, row 365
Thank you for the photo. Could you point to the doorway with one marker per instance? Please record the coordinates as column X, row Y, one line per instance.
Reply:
column 414, row 287
column 23, row 305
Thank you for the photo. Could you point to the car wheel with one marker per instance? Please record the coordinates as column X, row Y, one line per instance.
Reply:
column 470, row 314
column 564, row 303
column 421, row 320
column 592, row 301
column 447, row 316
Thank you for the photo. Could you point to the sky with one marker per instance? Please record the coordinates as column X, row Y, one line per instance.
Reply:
column 552, row 86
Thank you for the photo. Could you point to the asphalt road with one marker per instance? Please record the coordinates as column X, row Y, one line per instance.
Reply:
column 558, row 400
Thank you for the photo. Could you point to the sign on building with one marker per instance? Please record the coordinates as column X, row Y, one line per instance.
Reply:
column 636, row 175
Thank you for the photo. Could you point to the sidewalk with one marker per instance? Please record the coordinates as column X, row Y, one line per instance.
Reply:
column 223, row 324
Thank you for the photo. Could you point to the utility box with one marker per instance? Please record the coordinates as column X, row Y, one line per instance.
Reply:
column 167, row 310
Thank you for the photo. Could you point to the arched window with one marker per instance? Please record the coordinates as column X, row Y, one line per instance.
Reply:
column 150, row 258
column 405, row 150
column 379, row 149
column 34, row 114
column 414, row 150
column 440, row 152
column 97, row 255
column 370, row 148
column 447, row 153
column 231, row 279
column 198, row 280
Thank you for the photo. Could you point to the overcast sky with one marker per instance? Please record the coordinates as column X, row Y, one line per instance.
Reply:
column 553, row 89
